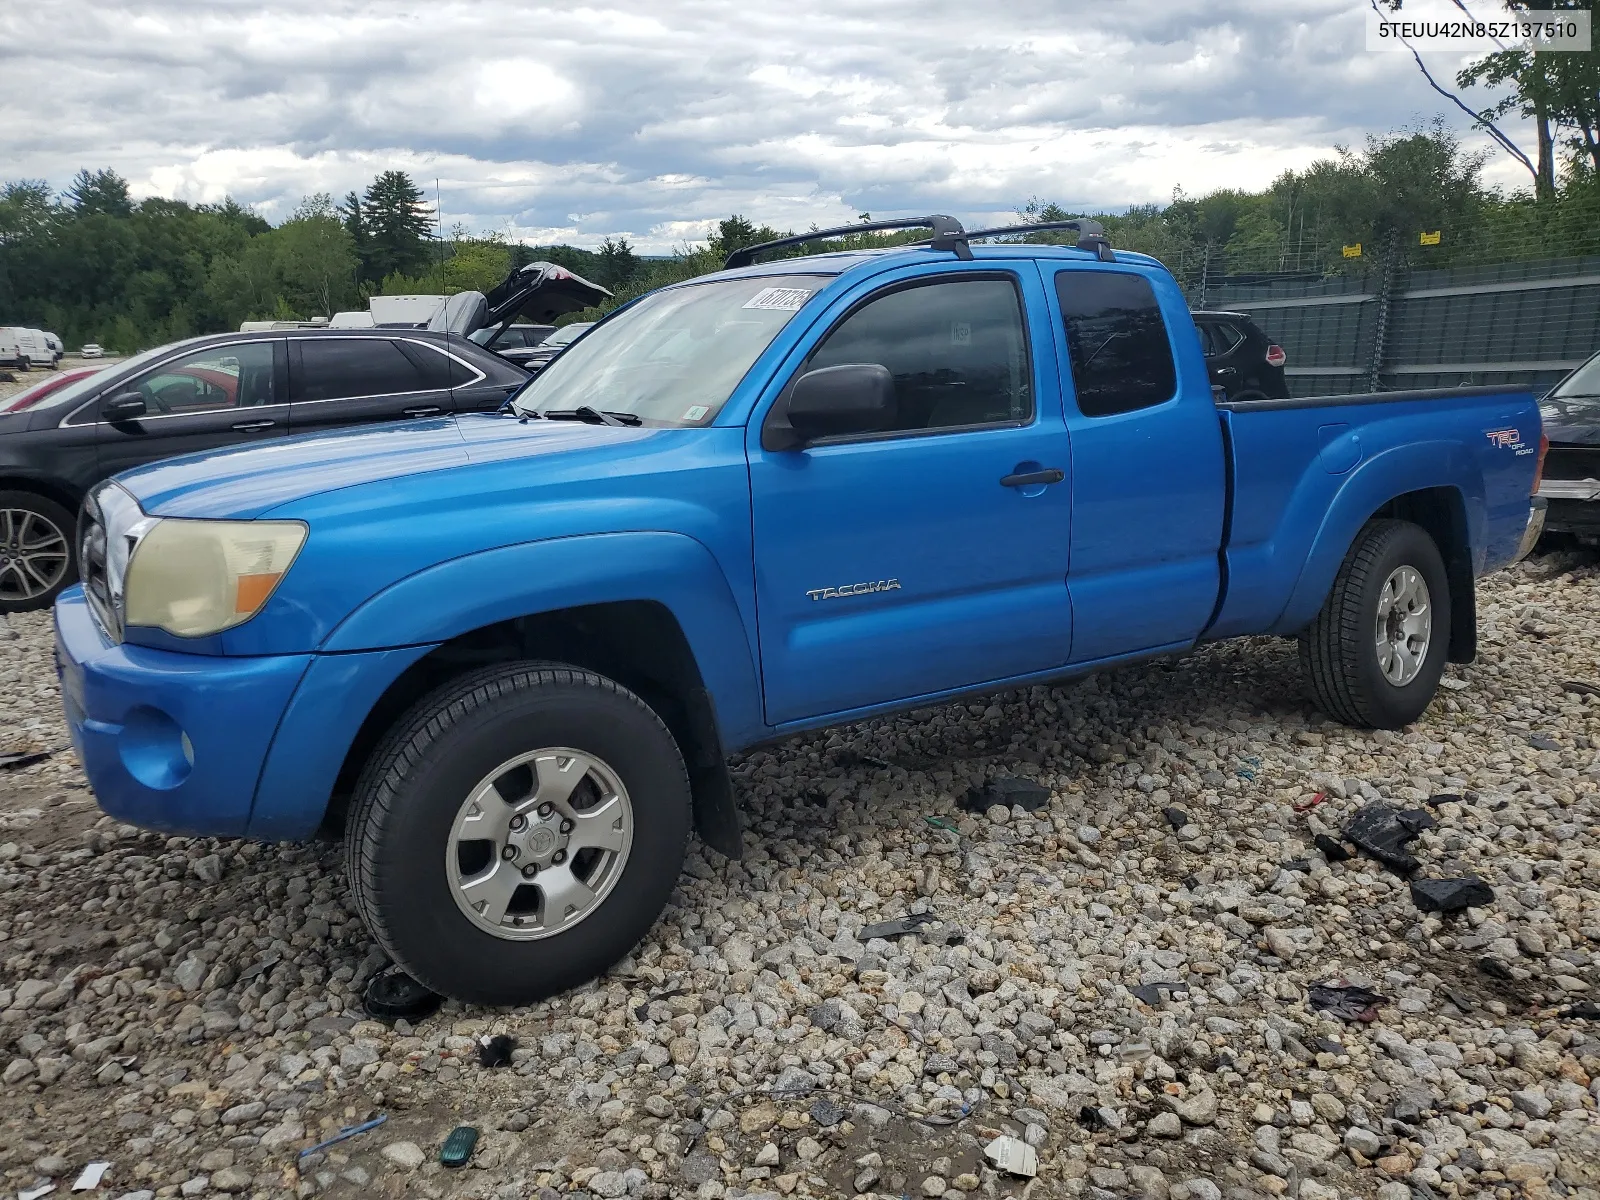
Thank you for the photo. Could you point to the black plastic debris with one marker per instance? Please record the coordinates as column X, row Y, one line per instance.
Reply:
column 1539, row 742
column 1156, row 994
column 1300, row 865
column 826, row 1113
column 1443, row 798
column 392, row 995
column 1176, row 817
column 1494, row 968
column 1192, row 882
column 1021, row 793
column 1332, row 849
column 1092, row 1119
column 1459, row 998
column 1383, row 833
column 1450, row 895
column 1328, row 1045
column 15, row 762
column 1579, row 688
column 1346, row 1000
column 496, row 1051
column 643, row 1010
column 897, row 928
column 1586, row 1010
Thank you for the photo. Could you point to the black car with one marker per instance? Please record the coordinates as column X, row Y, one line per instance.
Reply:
column 513, row 337
column 233, row 388
column 1241, row 359
column 1571, row 482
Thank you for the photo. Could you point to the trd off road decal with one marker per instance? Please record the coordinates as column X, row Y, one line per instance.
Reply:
column 1508, row 439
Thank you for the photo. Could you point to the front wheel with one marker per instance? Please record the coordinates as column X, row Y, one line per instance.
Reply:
column 36, row 557
column 518, row 832
column 1375, row 653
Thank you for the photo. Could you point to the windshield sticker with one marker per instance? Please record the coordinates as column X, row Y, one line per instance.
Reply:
column 694, row 412
column 961, row 333
column 782, row 299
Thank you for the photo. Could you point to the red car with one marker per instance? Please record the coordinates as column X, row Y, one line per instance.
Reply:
column 31, row 396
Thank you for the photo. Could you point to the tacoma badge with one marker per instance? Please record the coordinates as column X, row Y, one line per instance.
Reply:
column 854, row 589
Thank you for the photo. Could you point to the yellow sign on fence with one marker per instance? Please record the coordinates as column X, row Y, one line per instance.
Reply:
column 1353, row 251
column 1430, row 239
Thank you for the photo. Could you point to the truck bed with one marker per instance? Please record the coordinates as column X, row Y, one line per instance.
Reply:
column 1305, row 474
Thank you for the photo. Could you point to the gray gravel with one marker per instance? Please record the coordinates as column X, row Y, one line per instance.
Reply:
column 188, row 1009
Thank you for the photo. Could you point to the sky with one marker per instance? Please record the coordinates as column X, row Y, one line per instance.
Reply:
column 653, row 118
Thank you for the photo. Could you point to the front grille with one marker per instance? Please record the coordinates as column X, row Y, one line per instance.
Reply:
column 92, row 568
column 1572, row 462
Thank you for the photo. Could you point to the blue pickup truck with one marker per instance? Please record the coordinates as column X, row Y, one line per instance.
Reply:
column 508, row 655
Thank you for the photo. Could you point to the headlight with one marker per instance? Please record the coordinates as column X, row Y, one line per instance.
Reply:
column 194, row 578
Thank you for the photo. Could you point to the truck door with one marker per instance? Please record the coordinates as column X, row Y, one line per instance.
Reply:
column 1148, row 482
column 930, row 555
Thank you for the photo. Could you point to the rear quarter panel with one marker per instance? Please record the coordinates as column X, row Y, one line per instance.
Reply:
column 1307, row 477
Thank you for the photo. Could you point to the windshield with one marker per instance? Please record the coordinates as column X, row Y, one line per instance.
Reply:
column 1578, row 394
column 674, row 357
column 566, row 333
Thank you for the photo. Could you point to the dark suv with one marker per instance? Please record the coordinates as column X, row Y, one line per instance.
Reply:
column 225, row 389
column 1241, row 359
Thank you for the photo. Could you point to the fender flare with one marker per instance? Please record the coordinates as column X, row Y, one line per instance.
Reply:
column 1374, row 483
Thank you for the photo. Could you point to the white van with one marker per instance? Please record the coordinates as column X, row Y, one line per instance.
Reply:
column 10, row 346
column 32, row 350
column 56, row 346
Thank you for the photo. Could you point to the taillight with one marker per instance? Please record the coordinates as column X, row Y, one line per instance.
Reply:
column 1276, row 357
column 1538, row 467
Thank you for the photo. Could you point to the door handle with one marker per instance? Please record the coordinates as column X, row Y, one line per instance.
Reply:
column 253, row 426
column 426, row 410
column 1033, row 478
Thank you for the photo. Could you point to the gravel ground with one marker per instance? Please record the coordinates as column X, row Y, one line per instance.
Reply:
column 189, row 1011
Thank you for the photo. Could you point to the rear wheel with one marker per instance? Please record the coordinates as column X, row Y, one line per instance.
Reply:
column 1376, row 651
column 36, row 557
column 518, row 832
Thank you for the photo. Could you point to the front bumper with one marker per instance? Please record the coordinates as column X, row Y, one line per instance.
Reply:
column 1574, row 506
column 169, row 741
column 1537, row 509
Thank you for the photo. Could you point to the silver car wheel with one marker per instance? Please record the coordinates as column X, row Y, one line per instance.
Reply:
column 539, row 843
column 1404, row 625
column 34, row 554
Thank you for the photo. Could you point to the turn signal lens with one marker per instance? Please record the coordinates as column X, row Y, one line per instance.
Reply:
column 1538, row 467
column 194, row 578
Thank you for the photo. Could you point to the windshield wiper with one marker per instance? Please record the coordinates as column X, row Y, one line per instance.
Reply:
column 592, row 415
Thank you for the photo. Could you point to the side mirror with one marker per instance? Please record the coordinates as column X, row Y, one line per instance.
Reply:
column 125, row 406
column 849, row 398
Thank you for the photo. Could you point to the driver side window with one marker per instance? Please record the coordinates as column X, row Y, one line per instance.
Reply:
column 955, row 348
column 211, row 380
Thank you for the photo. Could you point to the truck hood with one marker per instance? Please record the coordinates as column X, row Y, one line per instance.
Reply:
column 1571, row 422
column 248, row 481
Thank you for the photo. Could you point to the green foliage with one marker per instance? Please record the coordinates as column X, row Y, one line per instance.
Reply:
column 390, row 226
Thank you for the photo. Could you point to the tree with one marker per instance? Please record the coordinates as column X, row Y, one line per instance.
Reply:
column 617, row 264
column 100, row 192
column 392, row 227
column 316, row 258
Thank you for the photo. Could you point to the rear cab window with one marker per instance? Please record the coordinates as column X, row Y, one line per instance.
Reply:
column 1117, row 343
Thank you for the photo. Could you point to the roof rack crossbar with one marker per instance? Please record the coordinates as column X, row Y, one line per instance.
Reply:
column 947, row 235
column 1091, row 234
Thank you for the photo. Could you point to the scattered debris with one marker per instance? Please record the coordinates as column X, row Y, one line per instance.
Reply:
column 15, row 762
column 941, row 933
column 392, row 995
column 1443, row 798
column 1492, row 966
column 1308, row 805
column 458, row 1146
column 1301, row 865
column 1539, row 742
column 1095, row 1119
column 1454, row 685
column 349, row 1131
column 1579, row 688
column 826, row 1113
column 1154, row 994
column 496, row 1051
column 33, row 1193
column 1345, row 1000
column 91, row 1177
column 1459, row 998
column 1328, row 1045
column 1176, row 817
column 1332, row 848
column 941, row 823
column 1450, row 895
column 272, row 959
column 643, row 1010
column 1586, row 1010
column 1007, row 791
column 1383, row 833
column 1013, row 1156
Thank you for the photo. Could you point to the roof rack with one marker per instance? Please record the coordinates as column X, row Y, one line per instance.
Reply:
column 947, row 235
column 1091, row 234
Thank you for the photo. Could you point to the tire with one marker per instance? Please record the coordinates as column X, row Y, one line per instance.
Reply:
column 26, row 364
column 1351, row 679
column 407, row 858
column 38, row 552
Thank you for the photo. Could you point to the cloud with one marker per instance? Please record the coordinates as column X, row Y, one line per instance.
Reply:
column 653, row 118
